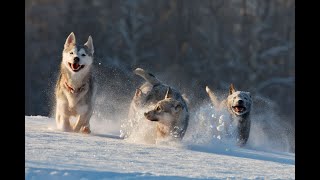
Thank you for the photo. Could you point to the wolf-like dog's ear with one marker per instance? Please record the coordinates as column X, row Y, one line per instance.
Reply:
column 169, row 93
column 231, row 89
column 70, row 41
column 138, row 92
column 89, row 44
column 177, row 107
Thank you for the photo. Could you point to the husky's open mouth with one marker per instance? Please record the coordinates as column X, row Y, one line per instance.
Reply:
column 76, row 67
column 239, row 108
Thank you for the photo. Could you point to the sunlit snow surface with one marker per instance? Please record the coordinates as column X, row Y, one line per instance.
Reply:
column 52, row 154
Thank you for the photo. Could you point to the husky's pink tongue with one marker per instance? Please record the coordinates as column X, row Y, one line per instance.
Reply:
column 75, row 66
column 239, row 109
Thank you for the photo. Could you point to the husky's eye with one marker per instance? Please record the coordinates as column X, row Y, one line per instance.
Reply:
column 158, row 108
column 71, row 52
column 83, row 54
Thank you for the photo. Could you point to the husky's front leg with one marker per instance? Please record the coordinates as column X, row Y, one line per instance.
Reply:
column 82, row 124
column 62, row 118
column 243, row 132
column 63, row 123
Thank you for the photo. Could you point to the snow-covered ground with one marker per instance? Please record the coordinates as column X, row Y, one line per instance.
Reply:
column 52, row 154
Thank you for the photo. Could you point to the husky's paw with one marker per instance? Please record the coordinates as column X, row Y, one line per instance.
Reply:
column 85, row 130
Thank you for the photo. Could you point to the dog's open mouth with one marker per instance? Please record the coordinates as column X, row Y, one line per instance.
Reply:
column 76, row 67
column 152, row 119
column 239, row 109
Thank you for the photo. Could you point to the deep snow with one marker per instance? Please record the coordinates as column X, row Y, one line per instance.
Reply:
column 52, row 154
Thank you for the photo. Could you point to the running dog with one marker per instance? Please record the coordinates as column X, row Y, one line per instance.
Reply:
column 171, row 117
column 75, row 89
column 154, row 93
column 238, row 105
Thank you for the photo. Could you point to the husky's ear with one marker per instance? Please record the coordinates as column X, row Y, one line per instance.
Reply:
column 177, row 107
column 231, row 89
column 89, row 44
column 138, row 92
column 70, row 41
column 169, row 93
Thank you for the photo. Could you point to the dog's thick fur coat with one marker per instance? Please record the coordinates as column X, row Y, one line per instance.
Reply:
column 154, row 93
column 238, row 105
column 75, row 89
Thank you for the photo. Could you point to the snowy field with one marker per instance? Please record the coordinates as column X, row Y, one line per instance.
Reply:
column 52, row 154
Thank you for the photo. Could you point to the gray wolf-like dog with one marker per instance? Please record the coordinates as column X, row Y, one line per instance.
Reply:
column 170, row 108
column 75, row 89
column 238, row 105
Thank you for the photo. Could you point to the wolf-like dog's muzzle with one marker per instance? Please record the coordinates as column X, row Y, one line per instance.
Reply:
column 239, row 107
column 150, row 116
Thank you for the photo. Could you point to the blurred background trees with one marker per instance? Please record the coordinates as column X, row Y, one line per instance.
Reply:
column 188, row 44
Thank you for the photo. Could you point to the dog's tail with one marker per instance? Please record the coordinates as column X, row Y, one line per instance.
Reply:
column 147, row 76
column 213, row 97
column 186, row 99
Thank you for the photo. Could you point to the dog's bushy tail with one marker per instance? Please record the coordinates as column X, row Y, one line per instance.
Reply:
column 186, row 99
column 147, row 76
column 213, row 97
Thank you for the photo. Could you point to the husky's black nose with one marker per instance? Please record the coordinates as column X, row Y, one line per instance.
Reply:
column 240, row 102
column 76, row 60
